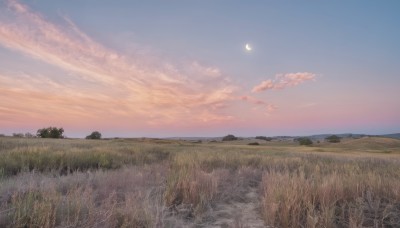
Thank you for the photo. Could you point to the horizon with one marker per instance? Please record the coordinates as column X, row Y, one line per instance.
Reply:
column 205, row 69
column 209, row 137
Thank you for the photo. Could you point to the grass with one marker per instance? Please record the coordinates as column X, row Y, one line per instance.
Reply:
column 352, row 194
column 72, row 155
column 164, row 183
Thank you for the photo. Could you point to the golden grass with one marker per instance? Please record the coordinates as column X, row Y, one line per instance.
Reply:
column 341, row 196
column 72, row 155
column 372, row 143
column 163, row 183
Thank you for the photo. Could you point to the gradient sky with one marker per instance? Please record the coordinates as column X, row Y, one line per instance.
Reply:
column 180, row 68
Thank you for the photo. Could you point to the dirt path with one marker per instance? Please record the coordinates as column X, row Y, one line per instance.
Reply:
column 244, row 213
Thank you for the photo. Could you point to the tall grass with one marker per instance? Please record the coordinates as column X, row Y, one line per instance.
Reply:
column 131, row 197
column 128, row 183
column 332, row 195
column 67, row 156
column 189, row 185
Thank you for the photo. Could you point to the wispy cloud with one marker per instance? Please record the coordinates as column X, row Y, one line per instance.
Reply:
column 282, row 81
column 259, row 103
column 115, row 83
column 99, row 85
column 252, row 100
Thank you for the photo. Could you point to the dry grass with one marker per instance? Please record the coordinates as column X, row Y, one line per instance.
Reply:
column 158, row 183
column 339, row 196
column 131, row 197
column 66, row 156
column 187, row 184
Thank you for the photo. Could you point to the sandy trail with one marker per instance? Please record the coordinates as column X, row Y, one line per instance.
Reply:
column 244, row 213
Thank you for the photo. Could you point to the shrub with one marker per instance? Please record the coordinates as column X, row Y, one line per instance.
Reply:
column 18, row 135
column 29, row 135
column 229, row 138
column 94, row 135
column 304, row 141
column 50, row 132
column 264, row 138
column 254, row 144
column 333, row 139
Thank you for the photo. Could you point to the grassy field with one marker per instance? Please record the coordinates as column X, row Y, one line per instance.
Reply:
column 176, row 183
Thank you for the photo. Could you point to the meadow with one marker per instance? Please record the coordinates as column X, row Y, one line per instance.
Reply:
column 177, row 183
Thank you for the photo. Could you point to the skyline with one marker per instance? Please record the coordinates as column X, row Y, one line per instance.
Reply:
column 182, row 69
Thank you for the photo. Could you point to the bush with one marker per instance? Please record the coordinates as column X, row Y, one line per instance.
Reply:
column 264, row 138
column 333, row 139
column 94, row 135
column 18, row 135
column 304, row 141
column 29, row 135
column 229, row 138
column 254, row 144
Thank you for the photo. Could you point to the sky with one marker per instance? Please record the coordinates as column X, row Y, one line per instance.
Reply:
column 181, row 68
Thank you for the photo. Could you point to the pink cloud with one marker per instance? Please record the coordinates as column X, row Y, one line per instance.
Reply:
column 264, row 85
column 212, row 72
column 252, row 100
column 105, row 79
column 271, row 108
column 259, row 104
column 98, row 85
column 282, row 81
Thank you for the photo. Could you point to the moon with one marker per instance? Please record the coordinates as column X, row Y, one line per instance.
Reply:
column 248, row 47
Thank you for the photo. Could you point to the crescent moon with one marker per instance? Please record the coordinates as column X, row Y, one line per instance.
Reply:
column 248, row 47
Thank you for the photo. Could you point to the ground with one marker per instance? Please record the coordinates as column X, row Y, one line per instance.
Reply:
column 178, row 183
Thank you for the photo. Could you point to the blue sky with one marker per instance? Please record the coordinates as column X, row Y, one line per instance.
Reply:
column 320, row 67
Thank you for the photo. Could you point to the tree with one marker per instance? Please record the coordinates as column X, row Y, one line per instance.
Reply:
column 229, row 138
column 304, row 141
column 94, row 135
column 333, row 139
column 50, row 132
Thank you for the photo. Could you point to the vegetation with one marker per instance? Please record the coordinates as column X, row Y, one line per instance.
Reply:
column 253, row 144
column 18, row 135
column 29, row 135
column 333, row 139
column 21, row 135
column 94, row 135
column 304, row 141
column 69, row 156
column 50, row 132
column 171, row 183
column 264, row 138
column 229, row 138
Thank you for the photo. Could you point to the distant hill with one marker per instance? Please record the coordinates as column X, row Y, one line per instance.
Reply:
column 372, row 143
column 393, row 136
column 350, row 135
column 194, row 138
column 319, row 137
column 344, row 135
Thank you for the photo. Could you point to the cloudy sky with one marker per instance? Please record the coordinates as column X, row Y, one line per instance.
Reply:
column 180, row 68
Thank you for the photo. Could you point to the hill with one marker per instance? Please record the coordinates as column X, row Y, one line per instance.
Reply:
column 376, row 143
column 394, row 136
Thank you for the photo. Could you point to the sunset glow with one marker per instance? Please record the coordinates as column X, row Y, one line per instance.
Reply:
column 88, row 69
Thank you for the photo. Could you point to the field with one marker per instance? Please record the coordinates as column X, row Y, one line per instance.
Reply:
column 176, row 183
